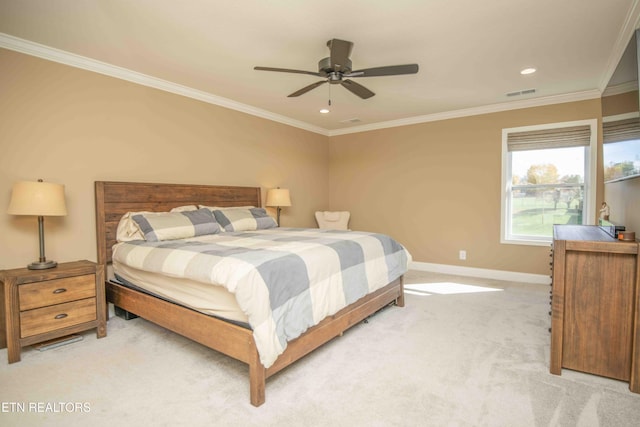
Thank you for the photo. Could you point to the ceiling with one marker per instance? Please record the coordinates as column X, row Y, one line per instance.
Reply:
column 470, row 52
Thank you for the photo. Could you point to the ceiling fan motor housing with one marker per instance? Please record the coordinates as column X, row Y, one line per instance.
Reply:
column 325, row 68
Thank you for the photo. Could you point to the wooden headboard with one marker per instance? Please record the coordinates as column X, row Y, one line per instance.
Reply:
column 114, row 199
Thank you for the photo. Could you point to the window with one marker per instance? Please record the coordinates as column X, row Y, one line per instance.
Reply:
column 548, row 177
column 621, row 148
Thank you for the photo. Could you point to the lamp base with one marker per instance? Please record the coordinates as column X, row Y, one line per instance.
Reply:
column 42, row 265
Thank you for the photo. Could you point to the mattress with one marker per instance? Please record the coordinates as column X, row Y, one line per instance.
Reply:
column 205, row 298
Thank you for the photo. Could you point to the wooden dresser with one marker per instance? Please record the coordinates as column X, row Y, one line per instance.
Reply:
column 40, row 305
column 595, row 322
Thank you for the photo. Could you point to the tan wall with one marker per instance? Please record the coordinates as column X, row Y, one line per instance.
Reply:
column 623, row 198
column 619, row 104
column 436, row 186
column 74, row 127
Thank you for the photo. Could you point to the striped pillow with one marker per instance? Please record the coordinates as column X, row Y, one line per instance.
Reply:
column 158, row 226
column 244, row 219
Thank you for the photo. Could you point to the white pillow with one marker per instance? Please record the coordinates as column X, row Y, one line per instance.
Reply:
column 185, row 208
column 338, row 220
column 128, row 229
column 217, row 208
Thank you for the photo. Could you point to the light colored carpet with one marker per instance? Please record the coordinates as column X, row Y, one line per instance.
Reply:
column 446, row 359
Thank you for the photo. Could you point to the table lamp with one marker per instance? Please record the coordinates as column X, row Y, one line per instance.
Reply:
column 39, row 199
column 278, row 197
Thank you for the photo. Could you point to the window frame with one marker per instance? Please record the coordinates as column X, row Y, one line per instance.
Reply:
column 589, row 205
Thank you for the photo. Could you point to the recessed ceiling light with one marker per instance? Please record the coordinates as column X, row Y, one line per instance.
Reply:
column 324, row 111
column 528, row 71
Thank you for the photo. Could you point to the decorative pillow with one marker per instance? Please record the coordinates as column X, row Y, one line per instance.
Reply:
column 158, row 226
column 128, row 230
column 240, row 219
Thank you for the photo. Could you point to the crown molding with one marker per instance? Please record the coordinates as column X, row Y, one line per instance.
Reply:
column 631, row 23
column 621, row 88
column 56, row 55
column 487, row 109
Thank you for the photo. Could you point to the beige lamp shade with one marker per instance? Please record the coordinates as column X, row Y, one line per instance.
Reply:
column 278, row 197
column 37, row 198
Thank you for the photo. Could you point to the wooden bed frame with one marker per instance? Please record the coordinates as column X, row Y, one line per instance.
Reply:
column 114, row 199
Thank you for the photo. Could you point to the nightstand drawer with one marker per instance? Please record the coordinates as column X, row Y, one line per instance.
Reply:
column 50, row 292
column 46, row 319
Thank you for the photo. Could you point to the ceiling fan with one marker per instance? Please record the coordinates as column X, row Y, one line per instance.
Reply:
column 336, row 69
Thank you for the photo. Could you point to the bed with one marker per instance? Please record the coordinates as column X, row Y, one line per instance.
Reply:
column 233, row 338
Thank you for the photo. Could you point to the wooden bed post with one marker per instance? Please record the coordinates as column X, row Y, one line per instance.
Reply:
column 257, row 379
column 100, row 239
column 400, row 299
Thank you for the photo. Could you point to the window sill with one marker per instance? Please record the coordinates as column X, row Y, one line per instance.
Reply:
column 526, row 242
column 624, row 178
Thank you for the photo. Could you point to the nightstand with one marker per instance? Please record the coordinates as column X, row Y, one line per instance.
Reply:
column 40, row 305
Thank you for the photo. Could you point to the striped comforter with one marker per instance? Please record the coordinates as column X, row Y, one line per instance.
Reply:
column 285, row 279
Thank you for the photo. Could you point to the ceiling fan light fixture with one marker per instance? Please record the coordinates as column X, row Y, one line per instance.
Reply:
column 324, row 111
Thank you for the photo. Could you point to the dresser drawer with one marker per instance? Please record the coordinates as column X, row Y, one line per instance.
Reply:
column 50, row 292
column 51, row 318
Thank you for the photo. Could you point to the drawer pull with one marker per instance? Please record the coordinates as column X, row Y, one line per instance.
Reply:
column 59, row 291
column 61, row 316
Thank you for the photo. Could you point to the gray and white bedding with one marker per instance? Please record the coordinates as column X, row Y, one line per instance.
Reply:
column 285, row 280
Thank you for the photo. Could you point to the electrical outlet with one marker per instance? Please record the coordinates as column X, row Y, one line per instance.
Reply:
column 463, row 255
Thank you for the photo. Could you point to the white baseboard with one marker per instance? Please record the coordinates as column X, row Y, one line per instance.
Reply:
column 481, row 272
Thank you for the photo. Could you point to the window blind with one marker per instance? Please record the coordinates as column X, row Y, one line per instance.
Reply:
column 573, row 136
column 621, row 130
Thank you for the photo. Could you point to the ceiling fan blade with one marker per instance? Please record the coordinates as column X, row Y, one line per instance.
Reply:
column 340, row 52
column 286, row 70
column 357, row 89
column 391, row 70
column 307, row 88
